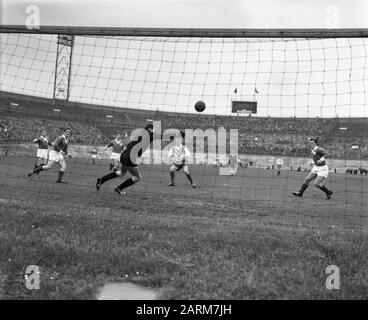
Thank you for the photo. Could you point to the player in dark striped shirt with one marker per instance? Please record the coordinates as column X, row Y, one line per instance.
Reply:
column 318, row 172
column 43, row 148
column 128, row 160
column 60, row 149
column 116, row 146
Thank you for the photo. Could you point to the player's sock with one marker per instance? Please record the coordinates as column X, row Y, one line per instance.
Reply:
column 108, row 177
column 38, row 169
column 127, row 183
column 172, row 176
column 324, row 189
column 189, row 178
column 60, row 176
column 278, row 173
column 303, row 188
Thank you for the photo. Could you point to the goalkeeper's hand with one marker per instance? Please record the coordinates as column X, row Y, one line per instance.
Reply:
column 66, row 154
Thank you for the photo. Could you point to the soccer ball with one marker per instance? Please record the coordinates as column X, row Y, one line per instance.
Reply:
column 200, row 106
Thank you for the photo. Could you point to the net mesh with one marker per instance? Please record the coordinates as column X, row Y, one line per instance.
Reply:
column 303, row 88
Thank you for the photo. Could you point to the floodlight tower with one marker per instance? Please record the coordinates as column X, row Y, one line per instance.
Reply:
column 63, row 67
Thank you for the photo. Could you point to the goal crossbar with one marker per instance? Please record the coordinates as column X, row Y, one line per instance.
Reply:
column 190, row 32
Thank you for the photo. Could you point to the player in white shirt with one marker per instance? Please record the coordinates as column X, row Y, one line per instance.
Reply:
column 178, row 156
column 233, row 162
column 279, row 163
column 94, row 155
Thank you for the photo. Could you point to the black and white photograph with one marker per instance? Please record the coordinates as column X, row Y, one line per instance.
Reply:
column 197, row 151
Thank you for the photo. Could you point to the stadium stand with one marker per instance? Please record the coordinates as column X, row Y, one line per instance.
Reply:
column 25, row 129
column 23, row 117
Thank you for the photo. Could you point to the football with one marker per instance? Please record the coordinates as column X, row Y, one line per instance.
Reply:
column 200, row 106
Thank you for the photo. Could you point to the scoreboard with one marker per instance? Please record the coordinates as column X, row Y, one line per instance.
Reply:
column 239, row 106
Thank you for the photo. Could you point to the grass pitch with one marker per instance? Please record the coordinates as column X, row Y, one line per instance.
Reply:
column 242, row 237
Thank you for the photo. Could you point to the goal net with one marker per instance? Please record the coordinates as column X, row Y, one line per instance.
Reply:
column 265, row 97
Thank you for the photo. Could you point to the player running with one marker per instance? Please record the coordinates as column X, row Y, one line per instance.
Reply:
column 318, row 172
column 179, row 155
column 233, row 163
column 60, row 149
column 43, row 148
column 94, row 155
column 279, row 163
column 117, row 146
column 128, row 161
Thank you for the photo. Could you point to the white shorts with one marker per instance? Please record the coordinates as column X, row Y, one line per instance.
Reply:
column 42, row 153
column 55, row 156
column 321, row 171
column 115, row 156
column 94, row 156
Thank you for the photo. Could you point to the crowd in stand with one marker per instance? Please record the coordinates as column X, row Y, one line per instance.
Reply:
column 256, row 135
column 280, row 136
column 252, row 125
column 24, row 129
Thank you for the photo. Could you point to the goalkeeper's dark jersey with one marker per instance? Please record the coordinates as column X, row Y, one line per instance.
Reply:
column 129, row 159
